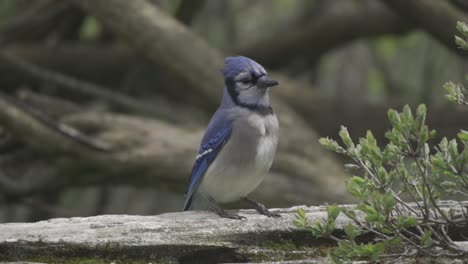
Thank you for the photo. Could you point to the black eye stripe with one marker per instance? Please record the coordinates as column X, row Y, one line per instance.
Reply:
column 250, row 79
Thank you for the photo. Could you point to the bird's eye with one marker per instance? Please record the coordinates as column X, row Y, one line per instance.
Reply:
column 246, row 81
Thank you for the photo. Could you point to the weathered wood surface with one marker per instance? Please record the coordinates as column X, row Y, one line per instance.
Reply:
column 189, row 237
column 182, row 237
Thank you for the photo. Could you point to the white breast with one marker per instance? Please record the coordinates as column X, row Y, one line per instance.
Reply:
column 245, row 160
column 267, row 127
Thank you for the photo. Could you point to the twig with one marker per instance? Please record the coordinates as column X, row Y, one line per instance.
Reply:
column 64, row 129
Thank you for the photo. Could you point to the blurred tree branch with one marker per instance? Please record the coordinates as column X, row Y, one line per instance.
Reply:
column 81, row 87
column 188, row 9
column 112, row 61
column 41, row 18
column 100, row 64
column 166, row 42
column 326, row 32
column 462, row 4
column 438, row 18
column 143, row 153
column 151, row 152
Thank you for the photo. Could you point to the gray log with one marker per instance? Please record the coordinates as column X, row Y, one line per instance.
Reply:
column 172, row 237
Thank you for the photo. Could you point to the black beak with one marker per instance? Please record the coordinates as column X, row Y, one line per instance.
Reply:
column 265, row 82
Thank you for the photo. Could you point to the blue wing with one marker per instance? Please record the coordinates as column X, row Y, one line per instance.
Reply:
column 211, row 146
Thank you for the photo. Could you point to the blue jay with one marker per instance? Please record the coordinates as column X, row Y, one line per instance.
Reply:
column 239, row 144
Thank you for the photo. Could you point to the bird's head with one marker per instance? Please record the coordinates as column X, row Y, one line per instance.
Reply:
column 247, row 81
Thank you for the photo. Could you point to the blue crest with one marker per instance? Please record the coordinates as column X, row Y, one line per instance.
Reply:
column 235, row 65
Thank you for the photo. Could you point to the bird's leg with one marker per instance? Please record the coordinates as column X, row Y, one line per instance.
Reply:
column 213, row 206
column 261, row 208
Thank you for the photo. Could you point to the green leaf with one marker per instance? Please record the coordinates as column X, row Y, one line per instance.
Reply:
column 370, row 138
column 406, row 221
column 427, row 238
column 460, row 42
column 393, row 242
column 463, row 157
column 333, row 258
column 344, row 134
column 372, row 215
column 298, row 223
column 301, row 212
column 453, row 149
column 438, row 163
column 332, row 211
column 300, row 219
column 351, row 231
column 331, row 144
column 372, row 251
column 395, row 119
column 349, row 213
column 455, row 92
column 388, row 202
column 421, row 115
column 407, row 117
column 443, row 145
column 383, row 176
column 462, row 28
column 423, row 134
column 90, row 29
column 356, row 186
column 318, row 230
column 378, row 249
column 463, row 135
column 352, row 166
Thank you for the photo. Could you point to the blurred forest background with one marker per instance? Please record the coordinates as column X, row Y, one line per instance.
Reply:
column 103, row 102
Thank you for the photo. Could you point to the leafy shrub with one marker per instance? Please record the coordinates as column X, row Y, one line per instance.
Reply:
column 399, row 187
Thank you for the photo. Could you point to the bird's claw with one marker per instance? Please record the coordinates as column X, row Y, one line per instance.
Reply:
column 232, row 216
column 223, row 213
column 262, row 208
column 269, row 213
column 272, row 214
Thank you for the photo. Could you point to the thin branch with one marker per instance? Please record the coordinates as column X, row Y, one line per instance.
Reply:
column 37, row 131
column 64, row 129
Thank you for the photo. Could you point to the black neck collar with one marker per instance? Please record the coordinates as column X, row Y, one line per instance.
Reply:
column 259, row 109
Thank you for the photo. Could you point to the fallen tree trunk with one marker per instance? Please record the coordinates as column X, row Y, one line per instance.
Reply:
column 189, row 237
